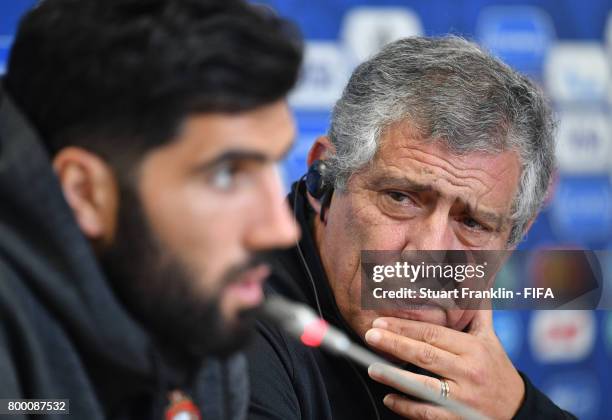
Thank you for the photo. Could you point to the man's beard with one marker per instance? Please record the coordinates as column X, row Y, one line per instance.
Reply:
column 161, row 293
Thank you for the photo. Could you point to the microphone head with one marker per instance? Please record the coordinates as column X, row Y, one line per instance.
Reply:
column 293, row 317
column 302, row 322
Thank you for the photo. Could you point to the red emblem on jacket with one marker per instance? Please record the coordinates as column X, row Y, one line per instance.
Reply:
column 181, row 407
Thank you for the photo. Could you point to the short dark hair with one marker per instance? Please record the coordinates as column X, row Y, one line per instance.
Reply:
column 120, row 75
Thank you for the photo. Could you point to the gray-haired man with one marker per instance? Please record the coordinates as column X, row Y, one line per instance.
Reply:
column 434, row 145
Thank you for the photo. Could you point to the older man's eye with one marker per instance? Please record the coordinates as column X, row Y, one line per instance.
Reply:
column 400, row 197
column 398, row 205
column 473, row 224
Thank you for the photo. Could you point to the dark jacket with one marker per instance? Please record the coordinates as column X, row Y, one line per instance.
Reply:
column 290, row 381
column 63, row 334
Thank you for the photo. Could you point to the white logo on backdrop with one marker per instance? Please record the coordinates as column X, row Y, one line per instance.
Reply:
column 519, row 35
column 562, row 336
column 584, row 144
column 608, row 33
column 577, row 71
column 366, row 29
column 325, row 72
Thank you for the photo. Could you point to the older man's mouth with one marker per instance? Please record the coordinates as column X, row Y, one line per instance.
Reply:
column 423, row 313
column 425, row 310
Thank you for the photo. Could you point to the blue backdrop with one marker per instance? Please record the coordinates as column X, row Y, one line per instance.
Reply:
column 565, row 45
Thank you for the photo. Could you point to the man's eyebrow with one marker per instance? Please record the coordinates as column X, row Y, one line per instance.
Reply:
column 390, row 181
column 487, row 216
column 241, row 155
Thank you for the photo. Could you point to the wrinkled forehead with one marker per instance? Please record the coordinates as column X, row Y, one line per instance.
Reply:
column 405, row 158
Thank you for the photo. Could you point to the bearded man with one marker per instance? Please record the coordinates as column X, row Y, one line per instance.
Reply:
column 138, row 184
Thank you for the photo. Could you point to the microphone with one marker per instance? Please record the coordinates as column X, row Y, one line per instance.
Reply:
column 301, row 322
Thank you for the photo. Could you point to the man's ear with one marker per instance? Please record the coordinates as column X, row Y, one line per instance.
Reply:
column 321, row 149
column 90, row 188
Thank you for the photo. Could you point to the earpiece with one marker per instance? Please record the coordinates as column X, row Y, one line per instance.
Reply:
column 315, row 179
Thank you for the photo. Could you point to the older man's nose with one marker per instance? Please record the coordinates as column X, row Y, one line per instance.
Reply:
column 433, row 233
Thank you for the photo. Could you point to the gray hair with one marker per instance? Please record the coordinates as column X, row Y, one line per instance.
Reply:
column 450, row 90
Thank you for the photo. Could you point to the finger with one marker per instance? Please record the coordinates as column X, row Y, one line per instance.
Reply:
column 421, row 354
column 392, row 376
column 456, row 342
column 482, row 323
column 415, row 410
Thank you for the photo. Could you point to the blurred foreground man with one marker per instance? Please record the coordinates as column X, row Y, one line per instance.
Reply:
column 138, row 144
column 434, row 145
